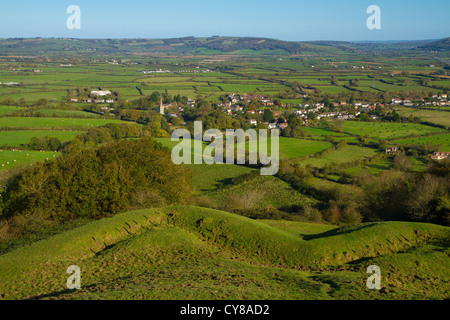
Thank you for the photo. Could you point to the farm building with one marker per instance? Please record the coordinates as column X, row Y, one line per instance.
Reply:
column 440, row 155
column 392, row 150
column 101, row 93
column 282, row 126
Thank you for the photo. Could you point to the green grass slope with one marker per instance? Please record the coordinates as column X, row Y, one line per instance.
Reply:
column 189, row 252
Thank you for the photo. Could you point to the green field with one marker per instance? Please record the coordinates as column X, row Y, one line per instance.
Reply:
column 206, row 254
column 5, row 110
column 295, row 148
column 16, row 138
column 441, row 139
column 382, row 130
column 260, row 193
column 52, row 123
column 209, row 177
column 346, row 154
column 62, row 113
column 24, row 157
column 373, row 168
column 438, row 117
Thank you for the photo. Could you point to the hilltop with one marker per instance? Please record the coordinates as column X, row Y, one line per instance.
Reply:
column 185, row 45
column 188, row 252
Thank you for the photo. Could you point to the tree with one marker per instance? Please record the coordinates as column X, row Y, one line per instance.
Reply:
column 106, row 180
column 268, row 115
column 402, row 163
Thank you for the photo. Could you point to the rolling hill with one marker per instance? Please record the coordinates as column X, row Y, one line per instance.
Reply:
column 198, row 46
column 440, row 45
column 186, row 45
column 189, row 252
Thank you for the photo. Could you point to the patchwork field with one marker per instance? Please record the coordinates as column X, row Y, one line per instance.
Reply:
column 231, row 233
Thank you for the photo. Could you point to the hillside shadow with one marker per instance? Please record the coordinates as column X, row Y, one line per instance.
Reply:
column 336, row 232
column 60, row 294
column 219, row 184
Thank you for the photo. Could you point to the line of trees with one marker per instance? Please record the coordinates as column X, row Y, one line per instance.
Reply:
column 391, row 195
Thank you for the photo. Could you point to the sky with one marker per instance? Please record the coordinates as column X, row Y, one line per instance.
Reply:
column 294, row 20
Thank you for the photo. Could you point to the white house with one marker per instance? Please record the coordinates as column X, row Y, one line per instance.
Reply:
column 101, row 93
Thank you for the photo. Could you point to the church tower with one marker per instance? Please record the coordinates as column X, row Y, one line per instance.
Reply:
column 161, row 107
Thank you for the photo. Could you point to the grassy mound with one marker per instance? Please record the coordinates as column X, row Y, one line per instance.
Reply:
column 196, row 253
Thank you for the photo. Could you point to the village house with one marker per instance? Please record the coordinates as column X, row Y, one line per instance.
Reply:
column 407, row 103
column 267, row 103
column 282, row 126
column 253, row 122
column 440, row 155
column 277, row 114
column 392, row 150
column 105, row 108
column 101, row 93
column 190, row 102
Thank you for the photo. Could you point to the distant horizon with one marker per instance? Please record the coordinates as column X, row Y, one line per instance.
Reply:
column 286, row 20
column 214, row 36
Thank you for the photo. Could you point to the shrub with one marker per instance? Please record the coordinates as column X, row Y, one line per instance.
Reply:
column 311, row 213
column 204, row 201
column 350, row 216
column 98, row 182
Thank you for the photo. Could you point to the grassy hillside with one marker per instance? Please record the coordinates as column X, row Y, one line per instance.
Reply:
column 196, row 253
column 212, row 45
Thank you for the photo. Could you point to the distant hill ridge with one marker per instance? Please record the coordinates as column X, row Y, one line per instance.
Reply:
column 187, row 45
column 440, row 45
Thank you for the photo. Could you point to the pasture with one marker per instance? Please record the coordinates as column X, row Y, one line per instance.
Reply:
column 389, row 131
column 438, row 117
column 439, row 139
column 11, row 159
column 52, row 123
column 346, row 154
column 16, row 138
column 5, row 110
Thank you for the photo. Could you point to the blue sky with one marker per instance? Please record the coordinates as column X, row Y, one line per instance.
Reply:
column 297, row 20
